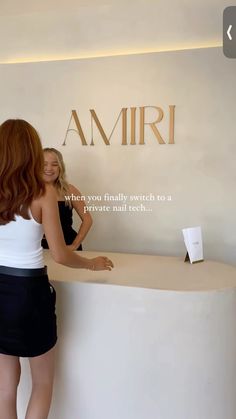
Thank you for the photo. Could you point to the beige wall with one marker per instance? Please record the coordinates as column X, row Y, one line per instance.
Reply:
column 198, row 171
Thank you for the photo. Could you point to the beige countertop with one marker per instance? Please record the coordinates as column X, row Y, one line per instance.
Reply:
column 149, row 271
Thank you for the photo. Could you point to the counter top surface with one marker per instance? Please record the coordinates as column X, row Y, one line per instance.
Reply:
column 149, row 271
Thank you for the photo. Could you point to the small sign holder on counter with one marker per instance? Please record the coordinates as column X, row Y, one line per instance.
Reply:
column 193, row 243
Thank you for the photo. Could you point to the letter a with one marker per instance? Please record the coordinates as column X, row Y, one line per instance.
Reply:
column 78, row 130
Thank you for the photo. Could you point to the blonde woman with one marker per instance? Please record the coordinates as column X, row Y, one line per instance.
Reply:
column 28, row 325
column 55, row 175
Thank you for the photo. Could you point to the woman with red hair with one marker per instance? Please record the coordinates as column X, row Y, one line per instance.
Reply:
column 28, row 327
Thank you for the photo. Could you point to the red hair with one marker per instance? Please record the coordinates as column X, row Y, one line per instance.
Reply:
column 21, row 169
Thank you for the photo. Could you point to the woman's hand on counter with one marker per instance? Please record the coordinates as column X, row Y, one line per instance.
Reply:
column 56, row 242
column 101, row 263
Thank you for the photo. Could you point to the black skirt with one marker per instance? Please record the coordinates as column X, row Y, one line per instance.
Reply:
column 27, row 315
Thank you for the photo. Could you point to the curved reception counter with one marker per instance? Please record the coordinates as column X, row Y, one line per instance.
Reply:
column 153, row 339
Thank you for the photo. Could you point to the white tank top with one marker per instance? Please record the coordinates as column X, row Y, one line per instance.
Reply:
column 20, row 243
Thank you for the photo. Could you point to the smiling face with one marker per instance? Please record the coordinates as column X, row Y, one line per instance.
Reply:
column 51, row 167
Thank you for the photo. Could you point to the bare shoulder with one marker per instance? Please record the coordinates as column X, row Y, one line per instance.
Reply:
column 49, row 191
column 74, row 190
column 42, row 202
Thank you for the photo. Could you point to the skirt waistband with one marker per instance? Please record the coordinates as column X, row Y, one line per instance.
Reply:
column 8, row 270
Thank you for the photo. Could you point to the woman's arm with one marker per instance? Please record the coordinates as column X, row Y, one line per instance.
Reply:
column 79, row 206
column 54, row 235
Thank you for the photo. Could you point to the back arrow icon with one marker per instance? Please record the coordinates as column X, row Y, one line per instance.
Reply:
column 228, row 32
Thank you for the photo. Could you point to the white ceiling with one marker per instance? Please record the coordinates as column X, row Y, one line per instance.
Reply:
column 64, row 29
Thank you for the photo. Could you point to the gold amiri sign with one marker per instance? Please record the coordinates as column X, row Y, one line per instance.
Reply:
column 123, row 116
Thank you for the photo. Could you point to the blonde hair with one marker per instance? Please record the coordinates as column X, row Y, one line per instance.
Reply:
column 60, row 183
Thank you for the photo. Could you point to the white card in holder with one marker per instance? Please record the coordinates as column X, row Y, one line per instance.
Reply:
column 193, row 243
